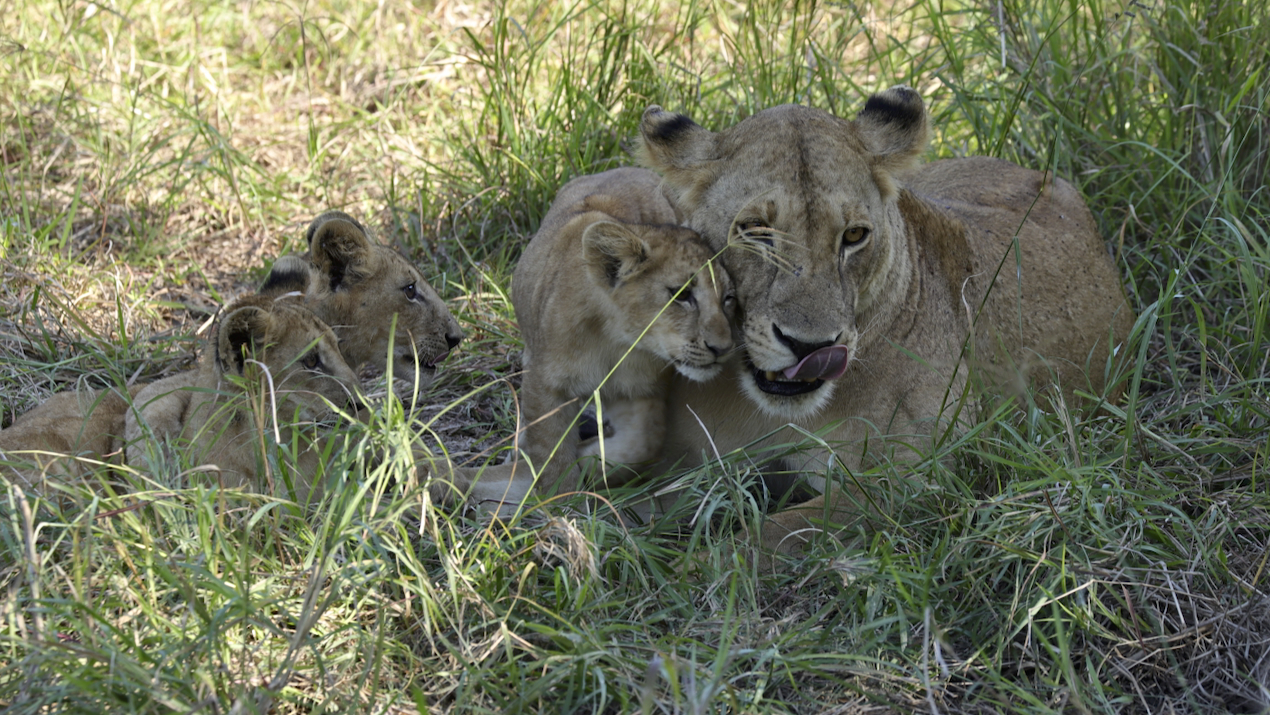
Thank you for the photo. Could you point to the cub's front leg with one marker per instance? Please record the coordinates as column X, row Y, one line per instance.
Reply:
column 639, row 429
column 498, row 488
column 550, row 438
column 158, row 412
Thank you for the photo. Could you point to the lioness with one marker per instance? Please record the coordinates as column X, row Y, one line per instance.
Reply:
column 857, row 290
column 610, row 290
column 269, row 361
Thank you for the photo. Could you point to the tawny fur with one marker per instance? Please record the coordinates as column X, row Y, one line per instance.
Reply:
column 61, row 438
column 901, row 301
column 360, row 288
column 200, row 412
column 611, row 291
column 271, row 365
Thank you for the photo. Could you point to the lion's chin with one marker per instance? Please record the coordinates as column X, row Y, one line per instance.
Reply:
column 405, row 368
column 697, row 373
column 786, row 399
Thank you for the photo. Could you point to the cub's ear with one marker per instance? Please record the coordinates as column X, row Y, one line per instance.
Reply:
column 894, row 125
column 612, row 252
column 289, row 274
column 680, row 150
column 330, row 216
column 338, row 245
column 243, row 329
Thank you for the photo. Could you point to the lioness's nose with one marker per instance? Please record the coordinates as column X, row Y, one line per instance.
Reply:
column 453, row 339
column 798, row 347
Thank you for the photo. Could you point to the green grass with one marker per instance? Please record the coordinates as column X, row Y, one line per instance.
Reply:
column 158, row 154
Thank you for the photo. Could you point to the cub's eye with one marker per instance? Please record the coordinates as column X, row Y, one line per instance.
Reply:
column 686, row 298
column 729, row 302
column 854, row 236
column 410, row 292
column 755, row 231
column 312, row 361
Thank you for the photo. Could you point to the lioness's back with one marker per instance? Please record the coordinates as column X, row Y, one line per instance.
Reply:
column 1059, row 296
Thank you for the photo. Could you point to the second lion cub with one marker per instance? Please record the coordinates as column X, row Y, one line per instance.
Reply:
column 610, row 294
column 273, row 351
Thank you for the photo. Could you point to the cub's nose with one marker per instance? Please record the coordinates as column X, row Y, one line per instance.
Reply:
column 718, row 350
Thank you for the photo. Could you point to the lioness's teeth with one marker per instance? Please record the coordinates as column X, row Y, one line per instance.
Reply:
column 772, row 376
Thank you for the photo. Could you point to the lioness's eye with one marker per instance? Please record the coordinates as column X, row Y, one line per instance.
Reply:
column 311, row 361
column 410, row 292
column 854, row 235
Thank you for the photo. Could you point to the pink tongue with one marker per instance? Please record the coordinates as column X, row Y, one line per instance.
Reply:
column 823, row 364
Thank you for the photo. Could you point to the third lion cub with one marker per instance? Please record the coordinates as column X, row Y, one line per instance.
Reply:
column 273, row 352
column 610, row 290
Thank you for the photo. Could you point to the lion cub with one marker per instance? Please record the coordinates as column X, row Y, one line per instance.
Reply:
column 353, row 284
column 610, row 294
column 271, row 365
column 358, row 287
column 50, row 439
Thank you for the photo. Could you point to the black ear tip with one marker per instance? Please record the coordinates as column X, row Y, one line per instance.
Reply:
column 662, row 126
column 286, row 275
column 900, row 105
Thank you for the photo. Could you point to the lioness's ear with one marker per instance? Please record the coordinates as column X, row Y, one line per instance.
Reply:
column 894, row 126
column 241, row 330
column 680, row 150
column 612, row 251
column 289, row 274
column 337, row 244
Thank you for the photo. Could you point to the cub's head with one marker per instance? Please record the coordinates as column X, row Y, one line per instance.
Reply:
column 301, row 353
column 807, row 208
column 663, row 276
column 359, row 287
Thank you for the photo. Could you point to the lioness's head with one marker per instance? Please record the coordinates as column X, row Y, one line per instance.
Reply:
column 359, row 287
column 302, row 355
column 663, row 276
column 806, row 206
